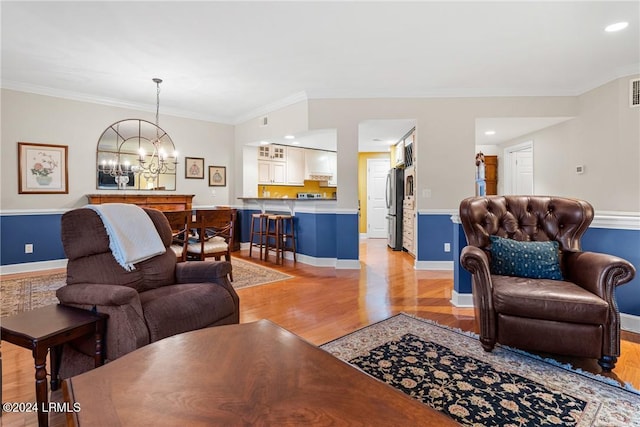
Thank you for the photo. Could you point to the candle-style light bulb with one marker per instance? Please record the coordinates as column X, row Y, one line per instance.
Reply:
column 142, row 154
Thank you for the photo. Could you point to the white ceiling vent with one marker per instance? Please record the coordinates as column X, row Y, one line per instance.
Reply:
column 634, row 93
column 264, row 121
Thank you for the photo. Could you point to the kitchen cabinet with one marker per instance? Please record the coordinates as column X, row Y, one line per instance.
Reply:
column 276, row 153
column 295, row 165
column 333, row 167
column 409, row 225
column 270, row 172
column 320, row 164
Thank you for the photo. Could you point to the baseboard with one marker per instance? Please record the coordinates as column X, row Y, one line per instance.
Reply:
column 27, row 267
column 629, row 322
column 434, row 265
column 348, row 264
column 461, row 300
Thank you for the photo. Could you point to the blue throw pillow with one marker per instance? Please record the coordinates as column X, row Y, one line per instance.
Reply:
column 537, row 260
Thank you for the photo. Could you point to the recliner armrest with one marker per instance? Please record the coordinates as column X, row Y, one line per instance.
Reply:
column 202, row 271
column 597, row 272
column 96, row 294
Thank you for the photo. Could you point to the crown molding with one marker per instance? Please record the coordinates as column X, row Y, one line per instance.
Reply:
column 110, row 102
column 276, row 105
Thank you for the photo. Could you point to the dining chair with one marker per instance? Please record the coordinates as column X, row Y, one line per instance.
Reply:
column 180, row 222
column 214, row 231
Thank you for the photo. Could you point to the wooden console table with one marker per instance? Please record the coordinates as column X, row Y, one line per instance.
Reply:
column 162, row 202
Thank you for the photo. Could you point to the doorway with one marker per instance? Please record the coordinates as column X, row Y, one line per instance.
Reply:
column 519, row 169
column 377, row 170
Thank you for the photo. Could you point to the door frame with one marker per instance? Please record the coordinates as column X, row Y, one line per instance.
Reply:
column 508, row 170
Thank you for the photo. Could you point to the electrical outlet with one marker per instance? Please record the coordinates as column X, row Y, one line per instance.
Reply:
column 28, row 248
column 447, row 247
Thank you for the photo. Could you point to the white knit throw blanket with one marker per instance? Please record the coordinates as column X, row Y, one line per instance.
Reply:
column 132, row 236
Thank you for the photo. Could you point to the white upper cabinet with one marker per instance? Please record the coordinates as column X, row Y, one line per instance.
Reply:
column 295, row 165
column 317, row 165
column 272, row 152
column 333, row 167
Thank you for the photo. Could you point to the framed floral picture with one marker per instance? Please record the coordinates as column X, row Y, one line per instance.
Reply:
column 194, row 167
column 217, row 176
column 42, row 168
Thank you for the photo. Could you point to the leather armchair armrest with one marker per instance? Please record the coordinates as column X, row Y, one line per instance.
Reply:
column 475, row 260
column 202, row 271
column 598, row 273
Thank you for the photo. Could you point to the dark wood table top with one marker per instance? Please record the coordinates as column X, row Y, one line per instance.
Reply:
column 249, row 374
column 47, row 322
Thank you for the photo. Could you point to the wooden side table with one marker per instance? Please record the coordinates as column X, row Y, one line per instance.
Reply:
column 48, row 328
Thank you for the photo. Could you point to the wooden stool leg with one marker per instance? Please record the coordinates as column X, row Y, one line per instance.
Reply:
column 251, row 236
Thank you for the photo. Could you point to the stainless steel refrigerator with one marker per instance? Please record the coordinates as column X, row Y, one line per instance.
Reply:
column 394, row 195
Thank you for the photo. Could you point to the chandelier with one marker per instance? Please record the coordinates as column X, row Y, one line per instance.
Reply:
column 136, row 153
column 159, row 161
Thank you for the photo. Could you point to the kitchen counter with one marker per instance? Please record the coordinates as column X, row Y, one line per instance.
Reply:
column 274, row 203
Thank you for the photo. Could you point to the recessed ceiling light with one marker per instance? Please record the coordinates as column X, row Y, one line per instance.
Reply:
column 295, row 143
column 289, row 137
column 264, row 143
column 490, row 132
column 616, row 27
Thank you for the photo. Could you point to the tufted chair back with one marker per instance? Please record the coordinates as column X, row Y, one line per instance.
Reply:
column 525, row 218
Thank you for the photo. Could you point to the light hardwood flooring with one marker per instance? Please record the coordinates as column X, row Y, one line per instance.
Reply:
column 321, row 304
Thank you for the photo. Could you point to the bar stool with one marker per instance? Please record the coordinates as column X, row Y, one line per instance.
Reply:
column 280, row 229
column 259, row 229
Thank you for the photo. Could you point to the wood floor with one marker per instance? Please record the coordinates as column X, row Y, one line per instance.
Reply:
column 321, row 304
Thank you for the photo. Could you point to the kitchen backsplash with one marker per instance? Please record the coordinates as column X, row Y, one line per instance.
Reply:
column 292, row 191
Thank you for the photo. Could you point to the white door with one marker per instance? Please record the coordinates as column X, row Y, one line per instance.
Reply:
column 519, row 169
column 523, row 176
column 377, row 170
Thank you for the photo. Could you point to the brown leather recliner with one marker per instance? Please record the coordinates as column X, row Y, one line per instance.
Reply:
column 576, row 316
column 158, row 299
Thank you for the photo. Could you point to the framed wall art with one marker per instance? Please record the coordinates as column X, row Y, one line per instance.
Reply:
column 194, row 167
column 42, row 168
column 217, row 176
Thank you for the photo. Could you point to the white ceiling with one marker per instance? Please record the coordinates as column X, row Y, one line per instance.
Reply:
column 228, row 61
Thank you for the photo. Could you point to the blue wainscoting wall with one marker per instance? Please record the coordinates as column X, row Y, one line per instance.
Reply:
column 43, row 231
column 624, row 244
column 434, row 231
column 320, row 235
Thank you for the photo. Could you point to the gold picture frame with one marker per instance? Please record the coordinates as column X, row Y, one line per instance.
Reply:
column 194, row 167
column 217, row 176
column 42, row 168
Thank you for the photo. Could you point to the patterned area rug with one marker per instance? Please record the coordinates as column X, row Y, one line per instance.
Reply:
column 18, row 295
column 449, row 371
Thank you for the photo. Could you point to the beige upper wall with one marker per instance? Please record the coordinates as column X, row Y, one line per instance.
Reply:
column 604, row 137
column 445, row 134
column 28, row 117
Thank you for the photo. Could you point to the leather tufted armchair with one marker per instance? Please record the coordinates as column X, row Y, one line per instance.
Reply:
column 576, row 316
